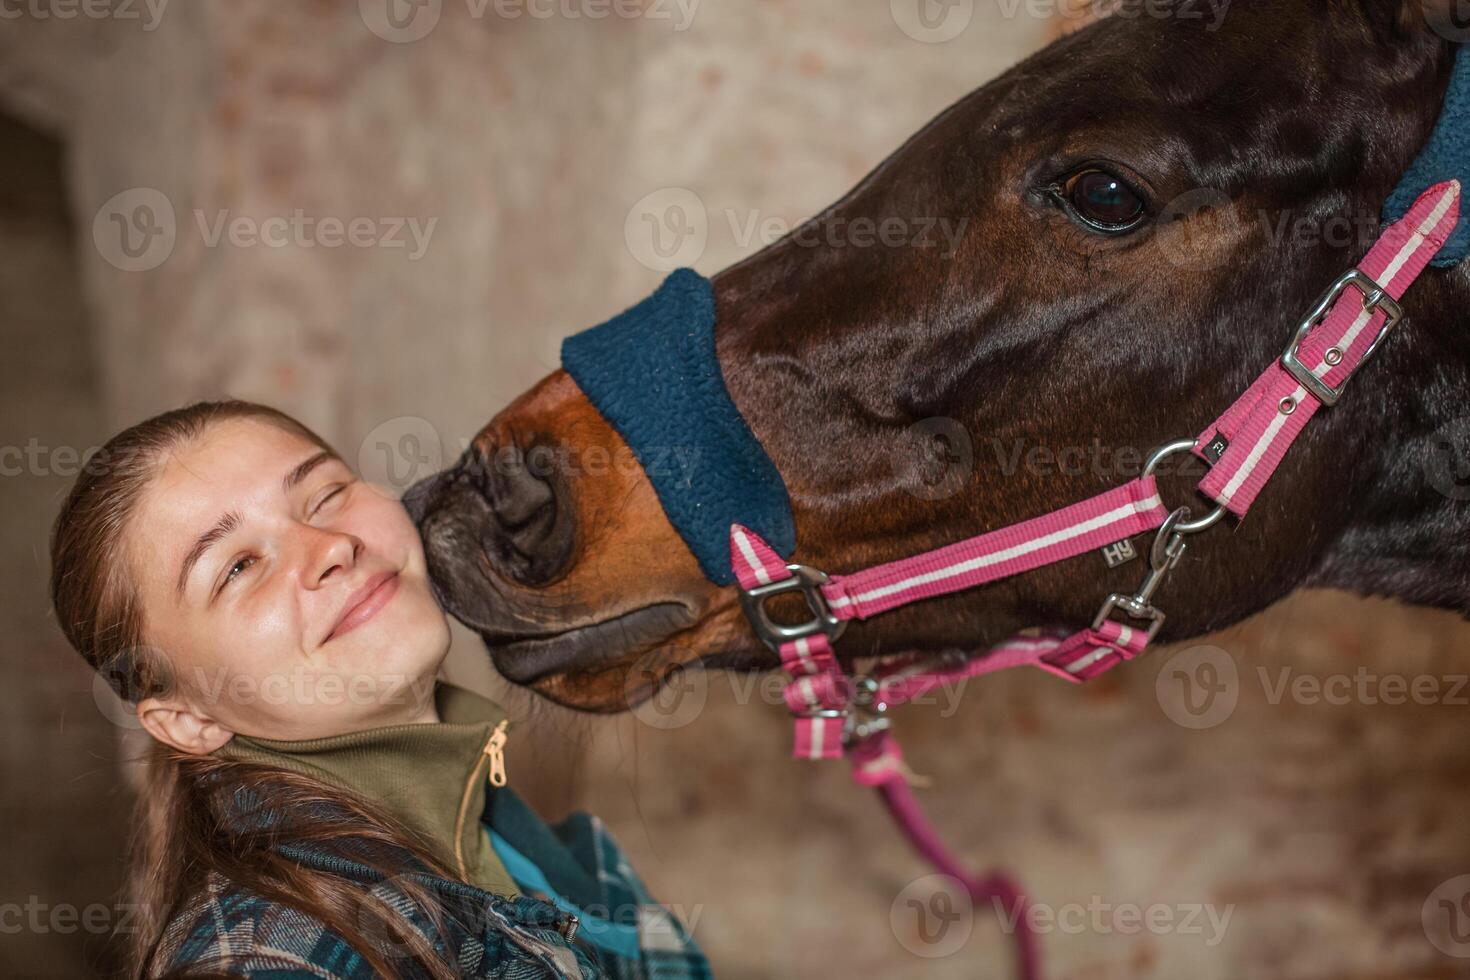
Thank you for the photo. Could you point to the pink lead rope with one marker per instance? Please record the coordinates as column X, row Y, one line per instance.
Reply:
column 839, row 715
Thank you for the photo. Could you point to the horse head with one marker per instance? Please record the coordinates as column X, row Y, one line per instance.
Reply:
column 1135, row 218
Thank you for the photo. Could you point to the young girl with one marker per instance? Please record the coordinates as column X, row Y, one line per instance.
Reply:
column 316, row 804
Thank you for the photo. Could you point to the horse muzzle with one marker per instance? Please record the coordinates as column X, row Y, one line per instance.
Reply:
column 547, row 539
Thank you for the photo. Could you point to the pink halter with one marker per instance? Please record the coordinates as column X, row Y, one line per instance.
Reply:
column 841, row 715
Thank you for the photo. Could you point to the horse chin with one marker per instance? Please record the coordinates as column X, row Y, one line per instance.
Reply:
column 617, row 663
column 565, row 660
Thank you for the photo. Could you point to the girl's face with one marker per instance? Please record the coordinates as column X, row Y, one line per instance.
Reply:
column 289, row 598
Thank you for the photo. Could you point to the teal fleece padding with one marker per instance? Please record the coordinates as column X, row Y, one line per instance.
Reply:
column 1447, row 157
column 651, row 371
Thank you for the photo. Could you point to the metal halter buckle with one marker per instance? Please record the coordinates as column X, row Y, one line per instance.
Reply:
column 1168, row 548
column 1374, row 298
column 808, row 581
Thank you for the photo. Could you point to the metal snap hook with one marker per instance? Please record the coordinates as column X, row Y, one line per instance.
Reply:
column 1169, row 541
column 1167, row 549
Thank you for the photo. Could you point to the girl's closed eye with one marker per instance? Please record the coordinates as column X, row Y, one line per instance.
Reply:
column 334, row 495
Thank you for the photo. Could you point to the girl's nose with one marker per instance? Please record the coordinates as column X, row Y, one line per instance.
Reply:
column 328, row 554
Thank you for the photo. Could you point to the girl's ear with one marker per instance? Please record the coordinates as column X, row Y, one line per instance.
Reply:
column 174, row 723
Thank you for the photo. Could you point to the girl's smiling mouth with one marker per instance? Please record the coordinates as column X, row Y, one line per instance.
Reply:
column 364, row 603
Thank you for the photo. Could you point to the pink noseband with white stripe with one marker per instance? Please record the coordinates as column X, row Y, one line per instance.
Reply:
column 841, row 715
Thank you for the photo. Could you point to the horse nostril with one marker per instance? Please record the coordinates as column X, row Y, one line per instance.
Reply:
column 530, row 535
column 523, row 502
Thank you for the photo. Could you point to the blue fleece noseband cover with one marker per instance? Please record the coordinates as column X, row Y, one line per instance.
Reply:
column 651, row 371
column 1447, row 156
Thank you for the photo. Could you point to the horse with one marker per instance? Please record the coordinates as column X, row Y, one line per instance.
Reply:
column 1147, row 206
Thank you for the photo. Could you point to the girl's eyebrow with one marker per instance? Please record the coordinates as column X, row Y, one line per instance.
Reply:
column 299, row 473
column 206, row 540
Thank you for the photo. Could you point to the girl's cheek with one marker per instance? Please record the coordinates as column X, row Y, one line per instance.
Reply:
column 269, row 615
column 383, row 524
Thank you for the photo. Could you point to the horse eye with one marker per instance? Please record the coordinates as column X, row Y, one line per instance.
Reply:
column 1103, row 200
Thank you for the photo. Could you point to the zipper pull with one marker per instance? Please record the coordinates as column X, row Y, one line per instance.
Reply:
column 495, row 749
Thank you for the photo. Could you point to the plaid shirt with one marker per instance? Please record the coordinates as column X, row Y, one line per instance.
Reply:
column 225, row 930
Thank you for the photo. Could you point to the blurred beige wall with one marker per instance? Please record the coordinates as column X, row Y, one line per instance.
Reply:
column 553, row 167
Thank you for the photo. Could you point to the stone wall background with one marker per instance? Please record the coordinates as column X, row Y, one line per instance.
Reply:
column 541, row 147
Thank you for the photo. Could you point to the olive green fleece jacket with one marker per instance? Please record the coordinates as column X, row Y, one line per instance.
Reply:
column 430, row 776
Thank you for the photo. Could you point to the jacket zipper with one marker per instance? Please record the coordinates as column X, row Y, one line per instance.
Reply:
column 494, row 750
